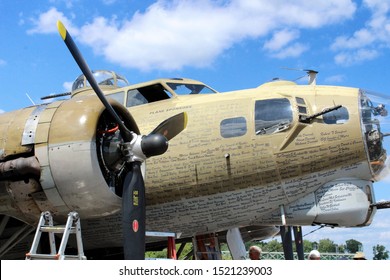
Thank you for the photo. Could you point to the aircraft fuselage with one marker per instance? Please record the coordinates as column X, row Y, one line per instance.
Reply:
column 245, row 158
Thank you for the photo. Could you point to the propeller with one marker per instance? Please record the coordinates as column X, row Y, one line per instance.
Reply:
column 135, row 149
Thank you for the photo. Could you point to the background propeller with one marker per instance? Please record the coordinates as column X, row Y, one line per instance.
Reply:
column 134, row 150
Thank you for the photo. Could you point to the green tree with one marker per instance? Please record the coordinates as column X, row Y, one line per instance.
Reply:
column 341, row 248
column 380, row 252
column 326, row 246
column 307, row 246
column 275, row 246
column 156, row 254
column 353, row 245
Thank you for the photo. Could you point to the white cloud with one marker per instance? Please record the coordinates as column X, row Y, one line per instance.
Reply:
column 354, row 57
column 173, row 34
column 360, row 39
column 1, row 111
column 379, row 5
column 280, row 39
column 293, row 50
column 47, row 23
column 367, row 42
column 282, row 44
column 2, row 62
column 67, row 86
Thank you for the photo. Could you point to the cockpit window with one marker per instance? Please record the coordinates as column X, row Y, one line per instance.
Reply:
column 272, row 115
column 338, row 116
column 103, row 78
column 147, row 94
column 134, row 98
column 118, row 96
column 79, row 83
column 184, row 89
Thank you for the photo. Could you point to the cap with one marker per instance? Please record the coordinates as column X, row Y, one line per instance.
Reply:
column 359, row 256
column 314, row 254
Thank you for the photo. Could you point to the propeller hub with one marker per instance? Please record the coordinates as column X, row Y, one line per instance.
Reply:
column 154, row 145
column 142, row 147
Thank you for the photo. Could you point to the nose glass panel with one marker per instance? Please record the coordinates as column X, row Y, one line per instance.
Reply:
column 376, row 127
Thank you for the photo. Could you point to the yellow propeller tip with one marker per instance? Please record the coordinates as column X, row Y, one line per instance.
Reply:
column 61, row 28
column 185, row 119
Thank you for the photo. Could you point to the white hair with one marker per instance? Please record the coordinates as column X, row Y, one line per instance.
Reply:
column 314, row 254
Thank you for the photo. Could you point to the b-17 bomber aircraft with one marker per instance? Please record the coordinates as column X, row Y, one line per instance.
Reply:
column 251, row 160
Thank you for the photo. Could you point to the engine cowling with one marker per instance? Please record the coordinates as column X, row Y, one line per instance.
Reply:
column 76, row 145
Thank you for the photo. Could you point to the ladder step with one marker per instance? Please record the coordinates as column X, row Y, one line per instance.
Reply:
column 42, row 257
column 56, row 229
column 53, row 257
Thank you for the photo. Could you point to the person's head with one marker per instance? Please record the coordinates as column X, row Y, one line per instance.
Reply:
column 314, row 255
column 254, row 253
column 359, row 256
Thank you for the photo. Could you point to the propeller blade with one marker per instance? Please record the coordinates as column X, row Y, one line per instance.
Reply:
column 133, row 214
column 172, row 126
column 136, row 149
column 89, row 76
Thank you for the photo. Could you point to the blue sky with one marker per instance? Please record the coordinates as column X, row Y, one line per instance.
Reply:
column 227, row 44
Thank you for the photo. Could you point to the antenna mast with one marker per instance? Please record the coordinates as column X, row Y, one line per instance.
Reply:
column 312, row 76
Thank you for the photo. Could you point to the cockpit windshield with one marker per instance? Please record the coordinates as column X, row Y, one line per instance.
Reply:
column 184, row 88
column 103, row 78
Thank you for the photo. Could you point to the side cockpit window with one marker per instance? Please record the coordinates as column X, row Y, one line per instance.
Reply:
column 118, row 96
column 185, row 89
column 272, row 116
column 134, row 98
column 147, row 94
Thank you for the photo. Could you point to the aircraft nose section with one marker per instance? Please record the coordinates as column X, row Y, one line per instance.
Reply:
column 376, row 126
